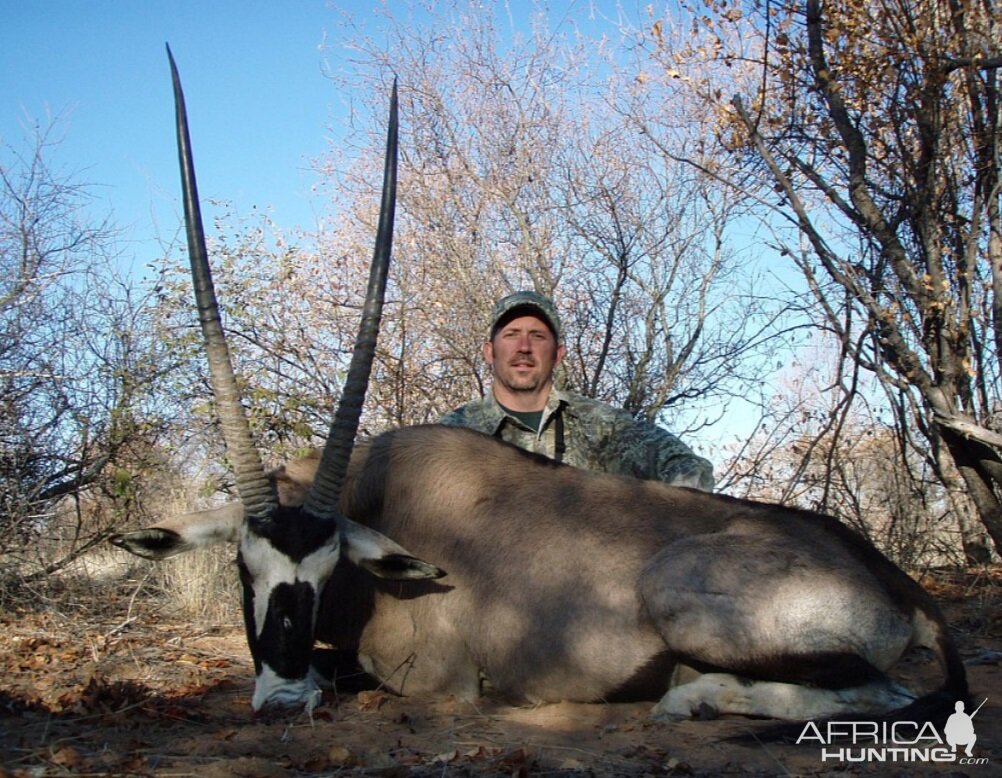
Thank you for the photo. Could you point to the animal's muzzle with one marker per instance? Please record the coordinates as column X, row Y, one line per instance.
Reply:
column 271, row 690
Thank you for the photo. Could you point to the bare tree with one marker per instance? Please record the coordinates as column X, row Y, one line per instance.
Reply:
column 76, row 363
column 832, row 445
column 519, row 171
column 873, row 131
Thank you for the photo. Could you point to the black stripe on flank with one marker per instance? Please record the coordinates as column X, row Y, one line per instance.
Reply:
column 826, row 670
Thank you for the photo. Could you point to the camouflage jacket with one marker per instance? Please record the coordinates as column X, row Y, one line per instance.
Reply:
column 596, row 437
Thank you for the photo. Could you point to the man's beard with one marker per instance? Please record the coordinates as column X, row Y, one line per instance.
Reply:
column 524, row 382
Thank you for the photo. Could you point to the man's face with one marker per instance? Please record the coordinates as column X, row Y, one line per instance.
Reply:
column 523, row 354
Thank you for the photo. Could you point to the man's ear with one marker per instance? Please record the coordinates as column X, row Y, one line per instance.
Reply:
column 561, row 351
column 382, row 557
column 488, row 351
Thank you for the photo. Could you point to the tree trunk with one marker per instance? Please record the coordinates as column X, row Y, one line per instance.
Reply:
column 969, row 457
column 974, row 539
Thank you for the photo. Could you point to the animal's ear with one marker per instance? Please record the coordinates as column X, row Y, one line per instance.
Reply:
column 382, row 557
column 185, row 532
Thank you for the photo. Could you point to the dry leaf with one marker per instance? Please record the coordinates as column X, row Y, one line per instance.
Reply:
column 68, row 757
column 341, row 756
column 371, row 700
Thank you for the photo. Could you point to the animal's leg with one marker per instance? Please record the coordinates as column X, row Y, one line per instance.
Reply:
column 769, row 611
column 413, row 661
column 725, row 693
column 421, row 671
column 340, row 670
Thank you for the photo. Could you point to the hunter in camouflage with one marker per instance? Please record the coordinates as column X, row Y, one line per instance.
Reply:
column 525, row 409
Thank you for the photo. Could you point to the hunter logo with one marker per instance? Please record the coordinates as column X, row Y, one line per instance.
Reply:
column 897, row 741
column 959, row 729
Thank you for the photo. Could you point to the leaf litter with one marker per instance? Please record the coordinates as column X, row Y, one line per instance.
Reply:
column 83, row 695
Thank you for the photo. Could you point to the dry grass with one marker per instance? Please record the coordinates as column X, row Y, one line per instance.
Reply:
column 202, row 586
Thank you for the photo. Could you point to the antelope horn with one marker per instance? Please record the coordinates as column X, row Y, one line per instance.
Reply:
column 322, row 499
column 256, row 492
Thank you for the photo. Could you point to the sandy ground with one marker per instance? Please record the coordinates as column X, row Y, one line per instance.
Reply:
column 87, row 696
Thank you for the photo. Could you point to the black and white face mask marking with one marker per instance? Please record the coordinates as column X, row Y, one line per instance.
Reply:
column 283, row 568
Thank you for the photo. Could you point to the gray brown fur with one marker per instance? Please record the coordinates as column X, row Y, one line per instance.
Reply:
column 565, row 584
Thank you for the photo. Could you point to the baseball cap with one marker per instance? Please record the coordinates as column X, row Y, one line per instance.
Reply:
column 522, row 303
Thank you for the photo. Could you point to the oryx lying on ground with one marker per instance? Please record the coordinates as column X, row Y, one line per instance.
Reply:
column 558, row 583
column 567, row 584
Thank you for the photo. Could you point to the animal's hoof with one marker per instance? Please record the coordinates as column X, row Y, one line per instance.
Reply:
column 679, row 707
column 668, row 717
column 706, row 712
column 670, row 710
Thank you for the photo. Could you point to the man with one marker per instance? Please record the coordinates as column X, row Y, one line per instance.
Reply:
column 524, row 408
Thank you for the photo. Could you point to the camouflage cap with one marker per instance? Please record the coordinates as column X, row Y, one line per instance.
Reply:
column 529, row 302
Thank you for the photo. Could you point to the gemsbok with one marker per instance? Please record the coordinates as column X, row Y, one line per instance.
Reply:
column 551, row 583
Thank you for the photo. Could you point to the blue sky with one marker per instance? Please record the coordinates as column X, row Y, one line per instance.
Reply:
column 259, row 103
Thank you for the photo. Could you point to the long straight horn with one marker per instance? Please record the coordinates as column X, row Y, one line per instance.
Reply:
column 323, row 496
column 254, row 489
